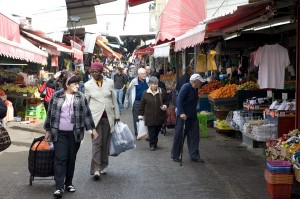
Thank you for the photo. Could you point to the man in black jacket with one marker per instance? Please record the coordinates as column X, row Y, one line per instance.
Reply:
column 184, row 78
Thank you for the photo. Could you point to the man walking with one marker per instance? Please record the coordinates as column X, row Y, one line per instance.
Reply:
column 102, row 101
column 187, row 116
column 134, row 94
column 120, row 81
column 185, row 78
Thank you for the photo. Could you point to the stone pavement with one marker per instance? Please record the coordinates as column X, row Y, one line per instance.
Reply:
column 229, row 171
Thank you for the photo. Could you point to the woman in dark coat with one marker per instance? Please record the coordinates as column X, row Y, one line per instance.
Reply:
column 3, row 109
column 153, row 110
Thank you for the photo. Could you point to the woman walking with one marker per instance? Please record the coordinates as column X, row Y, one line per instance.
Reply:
column 153, row 110
column 68, row 114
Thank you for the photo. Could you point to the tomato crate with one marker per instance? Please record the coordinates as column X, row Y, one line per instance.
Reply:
column 279, row 191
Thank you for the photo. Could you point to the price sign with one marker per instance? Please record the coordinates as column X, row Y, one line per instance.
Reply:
column 24, row 95
column 284, row 96
column 269, row 94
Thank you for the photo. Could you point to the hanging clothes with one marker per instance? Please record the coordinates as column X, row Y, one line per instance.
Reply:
column 201, row 63
column 272, row 61
column 211, row 63
column 252, row 65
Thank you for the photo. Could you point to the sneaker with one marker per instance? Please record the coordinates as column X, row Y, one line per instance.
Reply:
column 97, row 175
column 58, row 193
column 103, row 171
column 198, row 161
column 71, row 188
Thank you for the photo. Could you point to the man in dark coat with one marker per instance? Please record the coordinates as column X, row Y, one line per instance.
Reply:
column 184, row 78
column 187, row 116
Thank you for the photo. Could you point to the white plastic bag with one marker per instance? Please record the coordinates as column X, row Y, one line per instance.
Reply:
column 142, row 130
column 121, row 139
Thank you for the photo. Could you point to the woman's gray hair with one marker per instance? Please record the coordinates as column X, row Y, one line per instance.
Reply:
column 153, row 80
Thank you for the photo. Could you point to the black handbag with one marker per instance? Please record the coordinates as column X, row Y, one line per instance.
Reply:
column 5, row 141
column 43, row 93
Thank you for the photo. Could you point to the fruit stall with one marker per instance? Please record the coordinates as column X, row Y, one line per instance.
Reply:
column 21, row 90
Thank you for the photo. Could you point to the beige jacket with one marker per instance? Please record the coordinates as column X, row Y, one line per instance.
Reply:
column 102, row 98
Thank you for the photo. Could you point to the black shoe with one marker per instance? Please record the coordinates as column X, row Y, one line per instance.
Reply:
column 152, row 148
column 176, row 160
column 199, row 161
column 58, row 193
column 147, row 139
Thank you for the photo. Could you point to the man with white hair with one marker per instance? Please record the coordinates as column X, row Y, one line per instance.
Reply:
column 134, row 94
column 187, row 120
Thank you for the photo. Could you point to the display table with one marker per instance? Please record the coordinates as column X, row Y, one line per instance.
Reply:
column 285, row 124
column 221, row 106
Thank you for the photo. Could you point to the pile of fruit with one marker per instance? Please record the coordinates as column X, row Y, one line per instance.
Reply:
column 18, row 89
column 224, row 92
column 208, row 88
column 248, row 85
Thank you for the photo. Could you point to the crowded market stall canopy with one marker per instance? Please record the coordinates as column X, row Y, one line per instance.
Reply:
column 13, row 45
column 148, row 50
column 244, row 15
column 178, row 17
column 137, row 2
column 107, row 51
column 162, row 50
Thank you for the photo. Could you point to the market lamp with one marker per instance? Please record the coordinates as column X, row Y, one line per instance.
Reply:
column 231, row 36
column 273, row 23
column 74, row 20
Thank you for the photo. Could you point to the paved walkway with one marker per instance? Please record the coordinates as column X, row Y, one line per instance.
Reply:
column 229, row 172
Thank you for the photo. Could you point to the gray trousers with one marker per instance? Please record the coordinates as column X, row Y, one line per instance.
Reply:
column 65, row 156
column 135, row 114
column 192, row 137
column 100, row 148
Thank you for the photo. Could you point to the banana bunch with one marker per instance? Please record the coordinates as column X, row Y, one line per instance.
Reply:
column 18, row 89
column 248, row 85
column 294, row 132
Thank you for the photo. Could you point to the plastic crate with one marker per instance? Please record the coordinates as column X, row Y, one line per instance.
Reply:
column 203, row 125
column 279, row 166
column 279, row 191
column 285, row 178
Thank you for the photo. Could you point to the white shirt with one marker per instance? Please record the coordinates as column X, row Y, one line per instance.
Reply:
column 272, row 60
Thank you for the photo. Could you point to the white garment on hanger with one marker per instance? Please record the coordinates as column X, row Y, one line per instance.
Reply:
column 272, row 61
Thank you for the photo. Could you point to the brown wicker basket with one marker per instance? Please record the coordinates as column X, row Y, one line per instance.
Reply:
column 284, row 152
column 287, row 178
column 297, row 172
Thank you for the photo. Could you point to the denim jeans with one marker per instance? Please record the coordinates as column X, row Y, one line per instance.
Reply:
column 81, row 86
column 119, row 96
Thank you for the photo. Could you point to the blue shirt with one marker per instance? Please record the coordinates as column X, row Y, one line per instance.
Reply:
column 140, row 88
column 187, row 101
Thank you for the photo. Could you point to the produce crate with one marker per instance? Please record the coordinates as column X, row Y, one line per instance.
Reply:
column 272, row 178
column 203, row 125
column 279, row 191
column 279, row 166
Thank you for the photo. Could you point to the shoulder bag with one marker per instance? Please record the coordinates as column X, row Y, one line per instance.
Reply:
column 5, row 141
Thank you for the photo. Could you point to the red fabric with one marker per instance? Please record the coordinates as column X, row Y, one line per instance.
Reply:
column 49, row 91
column 180, row 16
column 144, row 51
column 9, row 29
column 242, row 14
column 137, row 2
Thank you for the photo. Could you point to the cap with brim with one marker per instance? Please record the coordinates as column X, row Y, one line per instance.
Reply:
column 197, row 77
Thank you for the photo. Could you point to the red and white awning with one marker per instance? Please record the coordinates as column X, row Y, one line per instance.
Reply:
column 190, row 38
column 23, row 50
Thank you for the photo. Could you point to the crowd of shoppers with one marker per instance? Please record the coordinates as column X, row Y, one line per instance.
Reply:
column 73, row 107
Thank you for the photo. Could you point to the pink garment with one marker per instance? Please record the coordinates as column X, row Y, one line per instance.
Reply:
column 66, row 113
